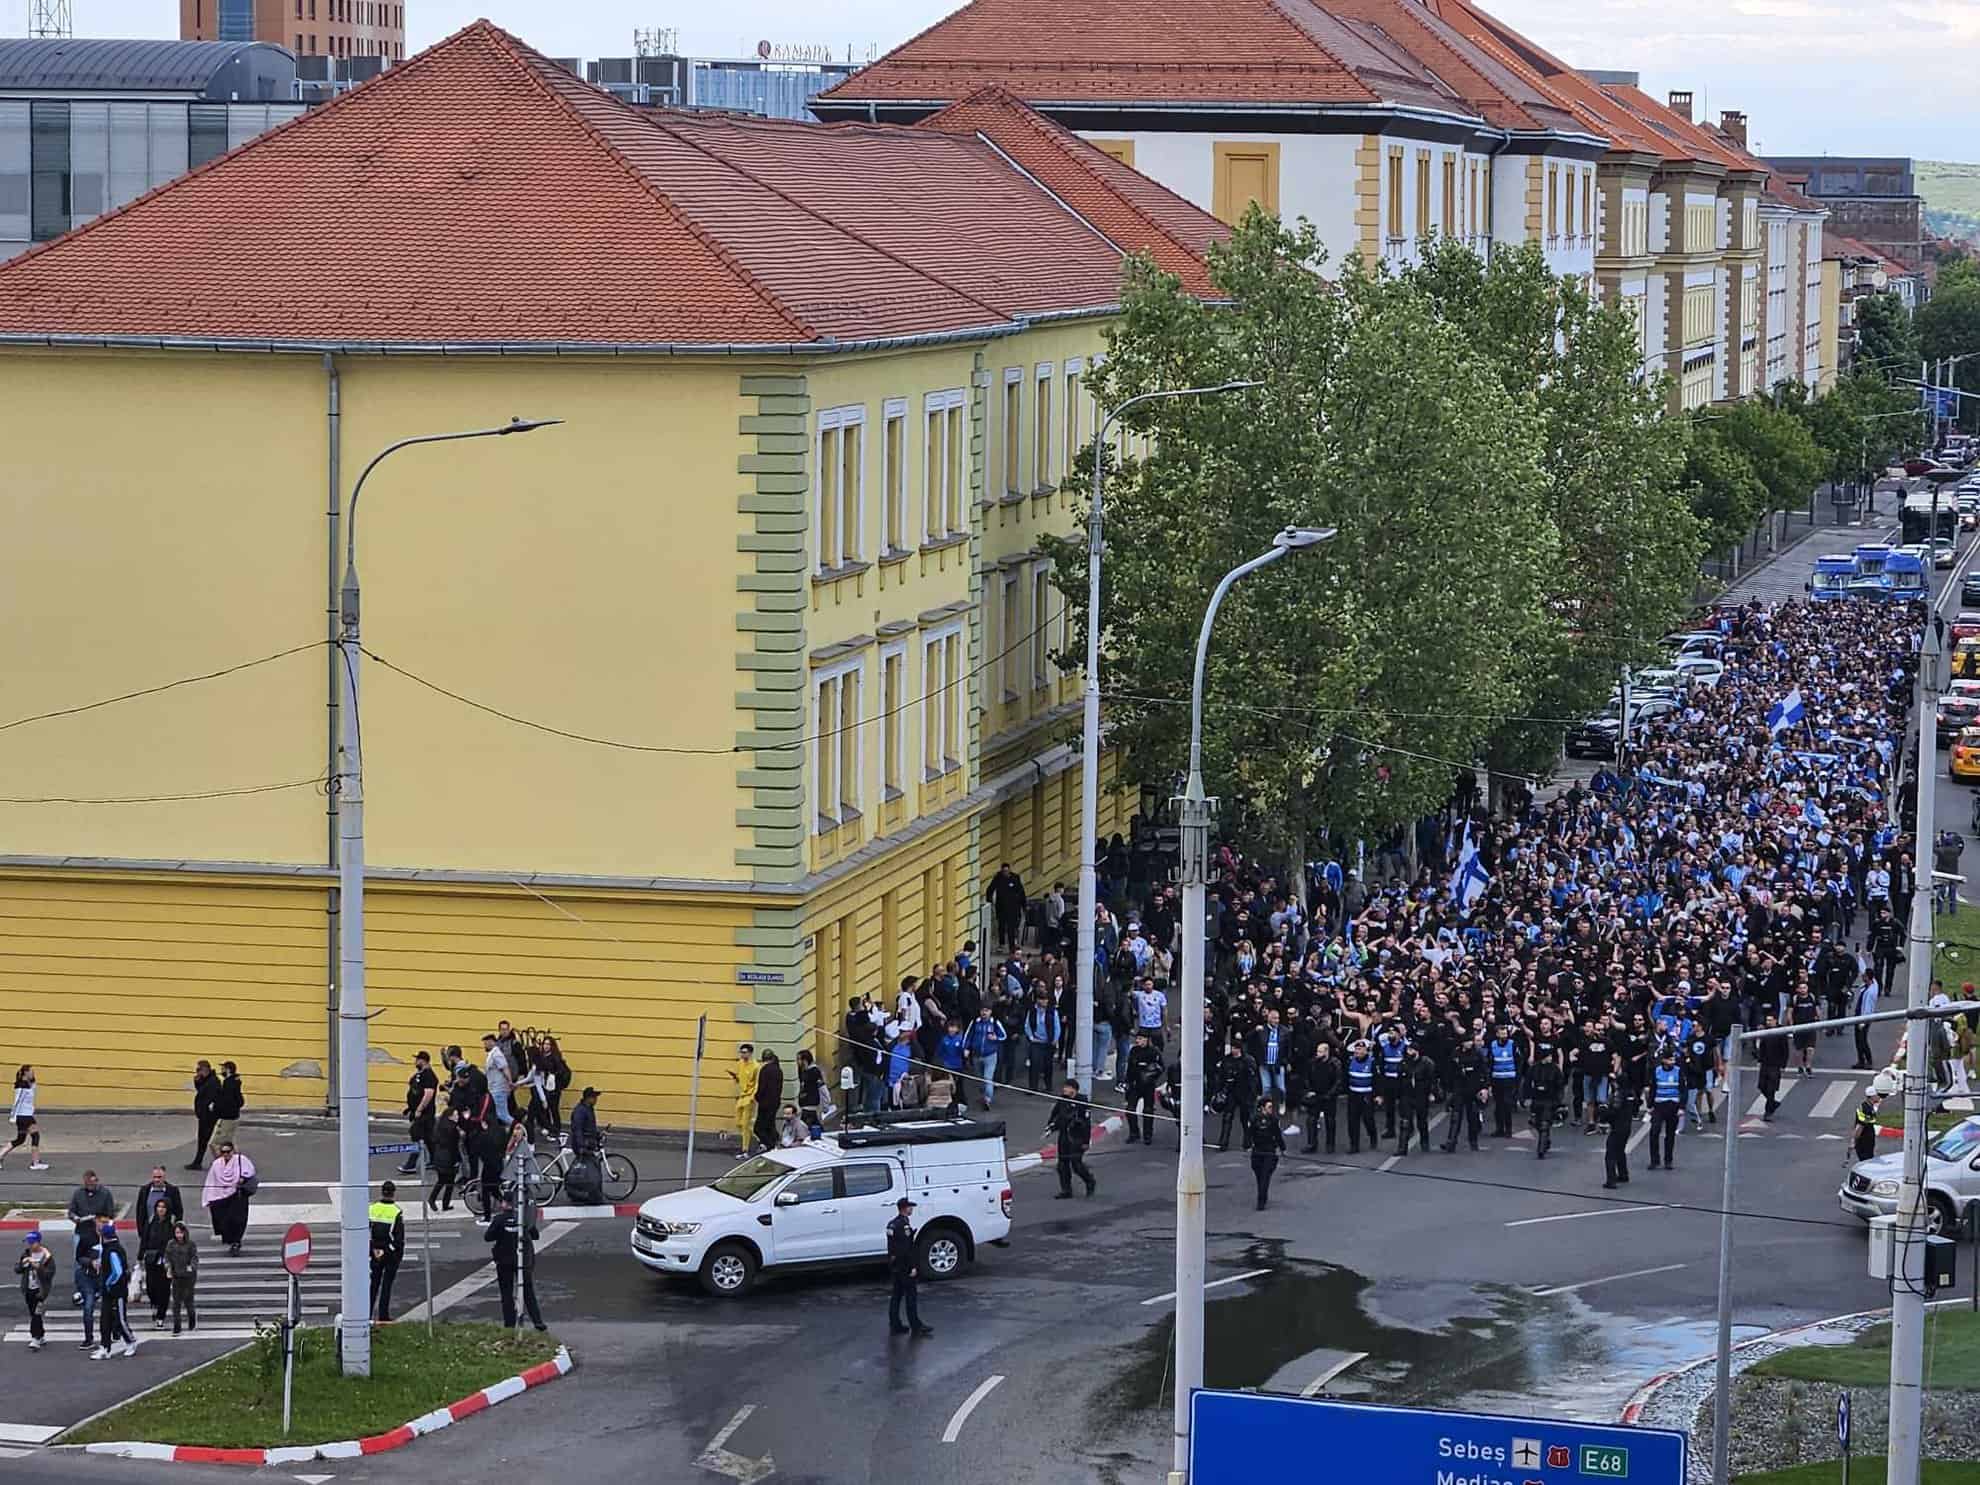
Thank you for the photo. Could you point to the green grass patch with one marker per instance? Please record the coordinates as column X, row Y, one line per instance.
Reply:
column 1952, row 1359
column 1862, row 1471
column 1891, row 1116
column 1956, row 956
column 237, row 1402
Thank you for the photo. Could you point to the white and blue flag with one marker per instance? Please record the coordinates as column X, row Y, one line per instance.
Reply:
column 1469, row 881
column 1812, row 813
column 1788, row 712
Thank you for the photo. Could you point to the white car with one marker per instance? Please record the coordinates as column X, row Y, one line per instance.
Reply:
column 828, row 1203
column 1952, row 1181
column 1700, row 671
column 1943, row 552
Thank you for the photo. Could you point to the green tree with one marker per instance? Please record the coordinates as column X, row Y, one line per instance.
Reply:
column 1339, row 683
column 1887, row 339
column 1949, row 325
column 1777, row 447
column 1611, row 461
column 1862, row 423
column 1724, row 492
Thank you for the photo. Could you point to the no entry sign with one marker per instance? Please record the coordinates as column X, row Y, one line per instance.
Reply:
column 295, row 1249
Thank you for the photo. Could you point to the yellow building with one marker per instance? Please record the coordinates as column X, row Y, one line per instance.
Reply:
column 724, row 698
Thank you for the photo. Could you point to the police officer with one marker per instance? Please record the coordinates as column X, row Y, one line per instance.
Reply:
column 1234, row 1093
column 1667, row 1103
column 1615, row 1155
column 514, row 1242
column 1073, row 1124
column 1471, row 1076
column 1700, row 1059
column 1505, row 1081
column 1321, row 1095
column 388, row 1246
column 1546, row 1095
column 1360, row 1095
column 1413, row 1093
column 900, row 1258
column 1144, row 1081
column 1389, row 1091
column 1268, row 1141
column 1864, row 1145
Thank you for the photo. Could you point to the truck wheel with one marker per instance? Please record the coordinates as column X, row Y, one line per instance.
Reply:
column 729, row 1271
column 1939, row 1218
column 942, row 1252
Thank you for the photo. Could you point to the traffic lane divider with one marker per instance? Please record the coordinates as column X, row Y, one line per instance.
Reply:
column 381, row 1443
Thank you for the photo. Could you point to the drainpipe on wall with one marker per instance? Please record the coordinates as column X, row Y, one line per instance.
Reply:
column 333, row 690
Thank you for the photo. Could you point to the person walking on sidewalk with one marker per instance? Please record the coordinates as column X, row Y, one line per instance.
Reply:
column 744, row 1074
column 113, row 1275
column 1072, row 1122
column 1268, row 1143
column 228, row 1101
column 89, row 1204
column 163, row 1190
column 26, row 1130
column 182, row 1262
column 206, row 1097
column 36, row 1266
column 230, row 1183
column 422, row 1097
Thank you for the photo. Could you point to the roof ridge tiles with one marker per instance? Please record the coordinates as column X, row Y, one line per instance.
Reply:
column 527, row 58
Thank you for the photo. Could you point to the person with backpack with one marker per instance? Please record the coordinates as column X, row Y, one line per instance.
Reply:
column 113, row 1278
column 1072, row 1122
column 983, row 1044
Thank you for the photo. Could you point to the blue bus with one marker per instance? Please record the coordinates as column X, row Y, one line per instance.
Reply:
column 1905, row 574
column 1870, row 580
column 1831, row 579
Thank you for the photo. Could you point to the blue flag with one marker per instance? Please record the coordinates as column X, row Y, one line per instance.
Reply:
column 1787, row 712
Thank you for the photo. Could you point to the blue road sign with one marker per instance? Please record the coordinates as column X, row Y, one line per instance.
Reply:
column 1842, row 1419
column 1237, row 1438
column 403, row 1147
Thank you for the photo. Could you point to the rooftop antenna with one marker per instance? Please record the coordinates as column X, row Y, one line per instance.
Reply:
column 52, row 20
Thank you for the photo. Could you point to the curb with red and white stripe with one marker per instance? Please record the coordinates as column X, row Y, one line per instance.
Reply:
column 380, row 1443
column 326, row 1215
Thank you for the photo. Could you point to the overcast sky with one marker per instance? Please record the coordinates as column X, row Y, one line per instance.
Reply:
column 1814, row 76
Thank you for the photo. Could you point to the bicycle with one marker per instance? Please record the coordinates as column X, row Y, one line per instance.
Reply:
column 618, row 1176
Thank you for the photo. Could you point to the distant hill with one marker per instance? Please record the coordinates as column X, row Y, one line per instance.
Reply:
column 1952, row 197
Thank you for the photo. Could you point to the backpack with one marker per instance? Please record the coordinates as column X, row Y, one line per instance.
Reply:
column 584, row 1185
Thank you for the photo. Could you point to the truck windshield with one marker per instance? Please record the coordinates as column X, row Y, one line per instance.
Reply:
column 751, row 1177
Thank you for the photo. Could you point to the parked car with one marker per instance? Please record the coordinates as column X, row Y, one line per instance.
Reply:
column 826, row 1204
column 1964, row 762
column 1959, row 709
column 1969, row 587
column 1952, row 1181
column 1944, row 553
column 1596, row 738
column 1700, row 671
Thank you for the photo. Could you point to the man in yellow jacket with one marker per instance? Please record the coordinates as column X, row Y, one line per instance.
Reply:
column 745, row 1073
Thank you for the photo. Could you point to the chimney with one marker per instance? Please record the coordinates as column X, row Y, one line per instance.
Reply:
column 1681, row 103
column 1732, row 123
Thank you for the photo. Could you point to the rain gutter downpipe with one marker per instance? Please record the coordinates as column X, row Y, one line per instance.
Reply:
column 333, row 692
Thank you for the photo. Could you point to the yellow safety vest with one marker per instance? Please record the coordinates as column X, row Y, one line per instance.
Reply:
column 385, row 1213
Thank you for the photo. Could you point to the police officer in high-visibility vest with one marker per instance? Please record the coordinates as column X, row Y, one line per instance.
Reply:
column 1864, row 1145
column 388, row 1246
column 1389, row 1091
column 1666, row 1107
column 1505, row 1081
column 1361, row 1095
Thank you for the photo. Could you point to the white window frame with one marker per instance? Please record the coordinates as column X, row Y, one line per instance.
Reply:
column 828, row 730
column 893, row 410
column 896, row 725
column 1041, row 641
column 852, row 416
column 1013, row 478
column 1010, row 617
column 1043, row 391
column 935, row 686
column 1075, row 367
column 943, row 402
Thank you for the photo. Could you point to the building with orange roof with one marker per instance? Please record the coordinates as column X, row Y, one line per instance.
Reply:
column 726, row 697
column 1380, row 121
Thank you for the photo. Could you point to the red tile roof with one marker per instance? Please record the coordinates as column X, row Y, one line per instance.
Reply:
column 482, row 194
column 1682, row 139
column 1176, row 52
column 1135, row 213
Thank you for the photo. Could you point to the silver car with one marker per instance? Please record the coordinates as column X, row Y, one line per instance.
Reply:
column 1952, row 1180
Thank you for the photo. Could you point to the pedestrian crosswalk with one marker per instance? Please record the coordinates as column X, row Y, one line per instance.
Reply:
column 234, row 1294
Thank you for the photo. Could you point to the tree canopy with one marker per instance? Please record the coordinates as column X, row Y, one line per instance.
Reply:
column 1510, row 512
column 1949, row 325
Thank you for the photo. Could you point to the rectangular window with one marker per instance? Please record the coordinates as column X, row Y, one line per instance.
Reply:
column 1041, row 639
column 841, row 510
column 1588, row 206
column 931, row 709
column 825, row 753
column 1567, row 213
column 836, row 701
column 849, row 741
column 1075, row 437
column 956, row 473
column 1450, row 196
column 952, row 698
column 1041, row 439
column 1422, row 194
column 1395, row 193
column 1553, row 202
column 1013, row 635
column 941, row 465
column 1244, row 174
column 1013, row 427
column 893, row 476
column 48, row 168
column 893, row 712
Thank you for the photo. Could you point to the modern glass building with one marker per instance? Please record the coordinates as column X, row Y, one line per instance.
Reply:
column 88, row 126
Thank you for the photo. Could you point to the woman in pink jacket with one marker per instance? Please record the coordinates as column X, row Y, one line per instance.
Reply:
column 230, row 1182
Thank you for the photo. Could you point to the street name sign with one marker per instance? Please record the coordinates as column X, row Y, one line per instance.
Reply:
column 1238, row 1437
column 398, row 1147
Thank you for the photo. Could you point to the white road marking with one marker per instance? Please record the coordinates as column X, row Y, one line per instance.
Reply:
column 1250, row 1273
column 1312, row 1389
column 26, row 1433
column 1390, row 1163
column 15, row 1453
column 723, row 1461
column 961, row 1415
column 1642, row 1133
column 1639, row 1273
column 315, row 1479
column 1759, row 1107
column 474, row 1283
column 1832, row 1099
column 1603, row 1211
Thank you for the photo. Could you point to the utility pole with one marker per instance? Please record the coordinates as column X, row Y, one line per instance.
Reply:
column 353, row 1015
column 1907, row 1269
column 1197, row 811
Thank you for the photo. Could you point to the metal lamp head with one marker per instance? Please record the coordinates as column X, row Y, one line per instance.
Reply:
column 528, row 425
column 1299, row 538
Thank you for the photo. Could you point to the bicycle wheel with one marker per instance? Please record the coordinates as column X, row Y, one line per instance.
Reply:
column 470, row 1194
column 543, row 1188
column 619, row 1178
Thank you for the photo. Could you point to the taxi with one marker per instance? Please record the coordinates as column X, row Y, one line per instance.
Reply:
column 1959, row 709
column 1966, row 659
column 1965, row 763
column 1965, row 625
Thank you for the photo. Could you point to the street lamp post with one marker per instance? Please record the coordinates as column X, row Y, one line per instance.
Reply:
column 1089, row 761
column 353, row 1095
column 1196, row 813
